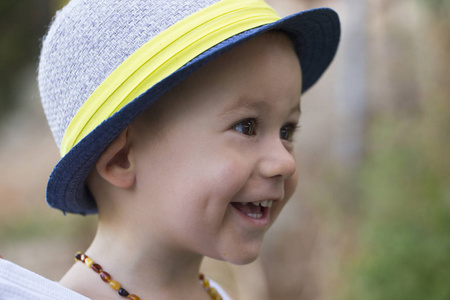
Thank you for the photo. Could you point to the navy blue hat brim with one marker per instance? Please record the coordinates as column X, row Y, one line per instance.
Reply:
column 315, row 34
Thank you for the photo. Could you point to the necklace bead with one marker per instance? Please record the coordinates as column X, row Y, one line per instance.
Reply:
column 96, row 267
column 105, row 276
column 89, row 262
column 123, row 292
column 114, row 284
column 79, row 256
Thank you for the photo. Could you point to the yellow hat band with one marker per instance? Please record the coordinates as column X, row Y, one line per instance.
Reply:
column 162, row 56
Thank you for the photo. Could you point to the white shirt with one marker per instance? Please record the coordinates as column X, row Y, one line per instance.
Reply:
column 17, row 283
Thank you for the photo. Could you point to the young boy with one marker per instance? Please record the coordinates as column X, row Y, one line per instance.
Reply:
column 175, row 120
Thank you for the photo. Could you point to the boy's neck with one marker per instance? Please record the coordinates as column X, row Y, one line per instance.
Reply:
column 147, row 269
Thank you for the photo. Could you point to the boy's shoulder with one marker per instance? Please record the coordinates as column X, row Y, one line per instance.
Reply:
column 17, row 283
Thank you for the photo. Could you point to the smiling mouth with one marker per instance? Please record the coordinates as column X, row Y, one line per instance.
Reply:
column 254, row 210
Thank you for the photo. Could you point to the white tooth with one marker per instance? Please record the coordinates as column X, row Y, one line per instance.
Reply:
column 255, row 216
column 244, row 203
column 265, row 203
column 269, row 204
column 256, row 203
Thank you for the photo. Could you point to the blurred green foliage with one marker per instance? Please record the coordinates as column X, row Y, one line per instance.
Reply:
column 441, row 7
column 43, row 224
column 22, row 25
column 404, row 239
column 403, row 230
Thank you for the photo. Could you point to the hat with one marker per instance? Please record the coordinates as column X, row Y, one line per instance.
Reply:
column 104, row 62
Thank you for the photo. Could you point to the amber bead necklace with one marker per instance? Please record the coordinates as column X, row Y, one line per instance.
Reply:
column 212, row 292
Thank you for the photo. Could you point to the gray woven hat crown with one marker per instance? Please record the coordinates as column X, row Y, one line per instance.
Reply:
column 89, row 39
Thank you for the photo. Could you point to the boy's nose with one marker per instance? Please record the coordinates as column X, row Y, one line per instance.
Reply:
column 277, row 161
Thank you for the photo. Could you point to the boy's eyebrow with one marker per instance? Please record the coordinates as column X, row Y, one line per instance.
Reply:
column 247, row 102
column 297, row 108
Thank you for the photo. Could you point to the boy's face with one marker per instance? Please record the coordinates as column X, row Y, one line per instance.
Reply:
column 220, row 139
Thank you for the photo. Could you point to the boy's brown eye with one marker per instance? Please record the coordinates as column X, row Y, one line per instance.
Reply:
column 287, row 132
column 246, row 127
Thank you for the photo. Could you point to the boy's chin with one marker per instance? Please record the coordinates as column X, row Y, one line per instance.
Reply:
column 241, row 258
column 244, row 261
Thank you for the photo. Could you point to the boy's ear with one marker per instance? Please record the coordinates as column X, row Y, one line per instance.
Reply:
column 114, row 165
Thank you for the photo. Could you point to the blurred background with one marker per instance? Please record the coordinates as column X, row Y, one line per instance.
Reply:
column 371, row 215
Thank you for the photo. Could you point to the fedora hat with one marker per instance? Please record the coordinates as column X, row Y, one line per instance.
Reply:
column 104, row 62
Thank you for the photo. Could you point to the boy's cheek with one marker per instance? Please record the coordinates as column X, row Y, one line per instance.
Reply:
column 289, row 188
column 290, row 185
